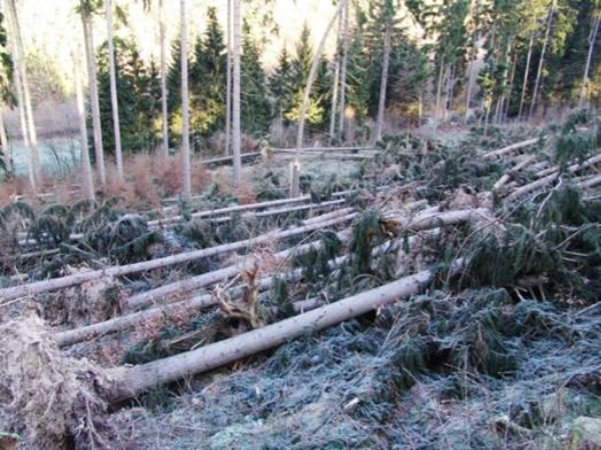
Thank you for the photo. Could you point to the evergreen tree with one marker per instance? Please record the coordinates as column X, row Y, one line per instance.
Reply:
column 255, row 106
column 280, row 84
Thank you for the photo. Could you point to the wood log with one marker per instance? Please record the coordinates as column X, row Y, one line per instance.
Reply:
column 505, row 178
column 130, row 382
column 412, row 224
column 574, row 168
column 118, row 271
column 511, row 148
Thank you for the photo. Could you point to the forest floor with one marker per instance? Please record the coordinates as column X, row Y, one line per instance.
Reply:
column 499, row 351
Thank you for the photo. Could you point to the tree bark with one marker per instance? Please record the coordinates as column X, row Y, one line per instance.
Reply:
column 335, row 84
column 511, row 148
column 541, row 63
column 164, row 91
column 384, row 80
column 437, row 114
column 470, row 77
column 295, row 165
column 236, row 131
column 113, row 82
column 93, row 87
column 343, row 68
column 4, row 143
column 83, row 130
column 228, row 88
column 505, row 113
column 526, row 73
column 187, row 182
column 25, row 95
column 592, row 40
column 133, row 381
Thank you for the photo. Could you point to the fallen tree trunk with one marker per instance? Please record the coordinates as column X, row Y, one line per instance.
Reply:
column 240, row 208
column 505, row 178
column 574, row 168
column 130, row 382
column 325, row 149
column 417, row 223
column 511, row 148
column 118, row 271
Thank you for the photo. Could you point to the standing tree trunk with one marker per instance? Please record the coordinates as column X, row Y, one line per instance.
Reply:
column 113, row 81
column 228, row 88
column 335, row 84
column 505, row 113
column 93, row 87
column 185, row 104
column 343, row 67
column 83, row 129
column 237, row 136
column 295, row 165
column 384, row 80
column 470, row 77
column 591, row 40
column 526, row 73
column 437, row 114
column 25, row 95
column 541, row 63
column 164, row 92
column 4, row 143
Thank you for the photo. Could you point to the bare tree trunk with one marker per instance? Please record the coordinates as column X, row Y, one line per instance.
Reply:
column 295, row 165
column 228, row 89
column 83, row 129
column 164, row 92
column 336, row 83
column 25, row 95
column 93, row 87
column 526, row 73
column 185, row 104
column 541, row 63
column 470, row 77
column 133, row 381
column 343, row 67
column 4, row 143
column 511, row 88
column 24, row 131
column 113, row 81
column 237, row 136
column 439, row 85
column 592, row 39
column 384, row 80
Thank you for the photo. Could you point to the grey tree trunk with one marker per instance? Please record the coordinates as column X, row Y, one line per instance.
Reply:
column 541, row 63
column 384, row 80
column 343, row 67
column 228, row 89
column 592, row 39
column 83, row 130
column 4, row 143
column 439, row 85
column 470, row 77
column 93, row 88
column 25, row 95
column 236, row 131
column 526, row 73
column 185, row 104
column 336, row 83
column 113, row 82
column 164, row 92
column 295, row 165
column 505, row 113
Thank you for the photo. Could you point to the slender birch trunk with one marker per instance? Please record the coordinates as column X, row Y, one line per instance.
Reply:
column 25, row 95
column 185, row 104
column 343, row 67
column 295, row 165
column 228, row 88
column 93, row 88
column 526, row 73
column 83, row 129
column 4, row 143
column 384, row 80
column 505, row 113
column 237, row 136
column 592, row 39
column 113, row 81
column 164, row 92
column 541, row 63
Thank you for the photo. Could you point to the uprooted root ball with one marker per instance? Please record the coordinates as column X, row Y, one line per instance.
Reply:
column 48, row 401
